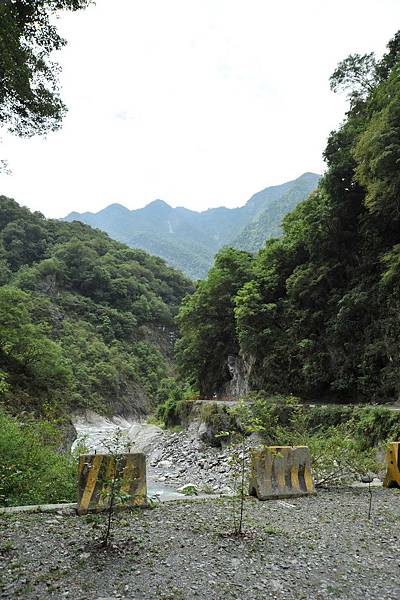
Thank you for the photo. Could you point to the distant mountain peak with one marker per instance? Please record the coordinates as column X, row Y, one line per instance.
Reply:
column 189, row 239
column 309, row 174
column 117, row 205
column 114, row 209
column 111, row 209
column 159, row 204
column 73, row 216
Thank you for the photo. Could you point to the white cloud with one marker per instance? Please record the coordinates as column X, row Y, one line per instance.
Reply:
column 200, row 103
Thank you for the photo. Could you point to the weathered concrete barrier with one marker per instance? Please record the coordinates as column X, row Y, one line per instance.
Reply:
column 392, row 477
column 280, row 472
column 97, row 473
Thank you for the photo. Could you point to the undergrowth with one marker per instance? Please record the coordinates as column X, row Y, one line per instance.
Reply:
column 32, row 470
column 344, row 441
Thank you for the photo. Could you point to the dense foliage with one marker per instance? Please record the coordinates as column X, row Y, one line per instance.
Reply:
column 318, row 317
column 207, row 323
column 84, row 321
column 32, row 471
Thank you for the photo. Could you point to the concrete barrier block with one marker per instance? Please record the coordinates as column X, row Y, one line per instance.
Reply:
column 392, row 477
column 96, row 472
column 280, row 472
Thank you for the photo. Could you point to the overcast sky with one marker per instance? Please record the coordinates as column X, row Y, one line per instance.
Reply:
column 198, row 102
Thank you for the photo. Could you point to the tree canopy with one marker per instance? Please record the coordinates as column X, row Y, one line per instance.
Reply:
column 30, row 101
column 207, row 324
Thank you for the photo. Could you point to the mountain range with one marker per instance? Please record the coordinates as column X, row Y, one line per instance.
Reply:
column 187, row 239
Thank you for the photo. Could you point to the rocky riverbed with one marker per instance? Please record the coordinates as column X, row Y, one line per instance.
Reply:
column 182, row 458
column 173, row 459
column 320, row 547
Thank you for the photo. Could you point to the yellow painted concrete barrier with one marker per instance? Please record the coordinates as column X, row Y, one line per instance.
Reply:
column 98, row 471
column 392, row 477
column 280, row 472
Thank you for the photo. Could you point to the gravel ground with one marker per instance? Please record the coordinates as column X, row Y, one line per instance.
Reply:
column 318, row 547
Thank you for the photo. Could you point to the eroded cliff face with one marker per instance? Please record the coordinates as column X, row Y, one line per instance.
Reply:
column 133, row 402
column 239, row 369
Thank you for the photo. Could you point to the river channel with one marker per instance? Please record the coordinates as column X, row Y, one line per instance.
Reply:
column 94, row 431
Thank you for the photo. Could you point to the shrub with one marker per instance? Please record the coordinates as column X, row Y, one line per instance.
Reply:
column 342, row 439
column 172, row 412
column 174, row 406
column 329, row 415
column 375, row 424
column 338, row 456
column 275, row 415
column 31, row 469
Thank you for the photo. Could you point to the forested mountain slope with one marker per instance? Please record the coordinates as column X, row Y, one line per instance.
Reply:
column 187, row 239
column 84, row 320
column 268, row 223
column 317, row 313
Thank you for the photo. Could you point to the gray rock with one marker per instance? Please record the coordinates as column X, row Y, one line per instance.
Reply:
column 164, row 464
column 144, row 437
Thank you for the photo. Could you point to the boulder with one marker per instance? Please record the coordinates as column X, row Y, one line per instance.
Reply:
column 144, row 437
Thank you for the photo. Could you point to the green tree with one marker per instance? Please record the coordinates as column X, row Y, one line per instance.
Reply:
column 30, row 102
column 355, row 75
column 207, row 324
column 84, row 321
column 32, row 471
column 377, row 153
column 27, row 343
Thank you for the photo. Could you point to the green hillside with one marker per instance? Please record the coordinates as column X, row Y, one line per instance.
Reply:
column 84, row 321
column 317, row 312
column 268, row 223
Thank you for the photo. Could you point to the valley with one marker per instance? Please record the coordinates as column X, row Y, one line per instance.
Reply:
column 244, row 362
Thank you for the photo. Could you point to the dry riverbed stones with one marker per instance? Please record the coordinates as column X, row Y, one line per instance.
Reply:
column 182, row 458
column 320, row 547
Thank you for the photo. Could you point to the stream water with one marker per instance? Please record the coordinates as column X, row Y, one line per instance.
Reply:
column 93, row 430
